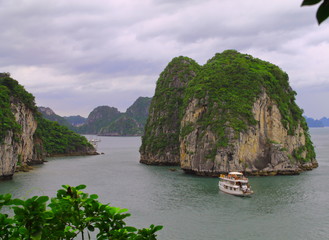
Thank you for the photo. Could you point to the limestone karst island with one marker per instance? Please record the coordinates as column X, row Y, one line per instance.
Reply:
column 235, row 113
column 26, row 138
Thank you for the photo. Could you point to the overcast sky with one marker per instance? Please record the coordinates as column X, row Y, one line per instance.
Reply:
column 76, row 55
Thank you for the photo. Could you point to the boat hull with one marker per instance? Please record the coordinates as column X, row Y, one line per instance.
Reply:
column 232, row 191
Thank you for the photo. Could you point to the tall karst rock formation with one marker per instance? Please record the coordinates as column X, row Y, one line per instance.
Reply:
column 25, row 137
column 161, row 134
column 17, row 127
column 235, row 113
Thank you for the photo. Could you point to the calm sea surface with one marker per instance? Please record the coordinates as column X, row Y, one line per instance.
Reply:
column 190, row 207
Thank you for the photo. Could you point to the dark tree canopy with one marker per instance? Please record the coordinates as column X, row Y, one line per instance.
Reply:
column 323, row 10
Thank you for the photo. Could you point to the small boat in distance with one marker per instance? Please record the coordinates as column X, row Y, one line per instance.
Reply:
column 234, row 183
column 94, row 142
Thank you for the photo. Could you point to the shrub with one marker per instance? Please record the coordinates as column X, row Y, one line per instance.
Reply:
column 70, row 214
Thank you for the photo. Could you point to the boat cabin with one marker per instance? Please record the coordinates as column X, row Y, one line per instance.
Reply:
column 234, row 183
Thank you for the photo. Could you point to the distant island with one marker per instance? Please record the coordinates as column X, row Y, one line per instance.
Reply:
column 235, row 113
column 105, row 120
column 317, row 123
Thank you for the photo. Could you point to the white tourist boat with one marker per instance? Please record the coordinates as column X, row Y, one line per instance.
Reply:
column 94, row 142
column 234, row 183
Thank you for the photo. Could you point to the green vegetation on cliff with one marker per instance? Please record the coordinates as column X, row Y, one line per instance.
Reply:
column 132, row 122
column 230, row 82
column 49, row 114
column 58, row 139
column 76, row 120
column 226, row 88
column 18, row 91
column 55, row 139
column 7, row 118
column 139, row 110
column 124, row 126
column 105, row 120
column 167, row 106
column 98, row 118
column 11, row 90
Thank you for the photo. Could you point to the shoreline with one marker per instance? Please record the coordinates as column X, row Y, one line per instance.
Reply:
column 29, row 167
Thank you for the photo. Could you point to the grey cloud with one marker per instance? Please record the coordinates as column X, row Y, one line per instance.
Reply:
column 104, row 42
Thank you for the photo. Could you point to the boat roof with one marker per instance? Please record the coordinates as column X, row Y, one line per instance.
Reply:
column 235, row 173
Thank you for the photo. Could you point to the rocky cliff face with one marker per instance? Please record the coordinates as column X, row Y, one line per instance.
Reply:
column 100, row 117
column 108, row 121
column 139, row 110
column 131, row 123
column 46, row 111
column 263, row 149
column 238, row 114
column 17, row 150
column 49, row 114
column 160, row 144
column 25, row 137
column 76, row 121
column 103, row 112
column 124, row 126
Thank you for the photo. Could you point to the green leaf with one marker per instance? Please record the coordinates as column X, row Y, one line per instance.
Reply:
column 5, row 197
column 130, row 229
column 93, row 196
column 102, row 207
column 36, row 236
column 82, row 186
column 18, row 211
column 42, row 199
column 17, row 202
column 32, row 220
column 157, row 228
column 48, row 215
column 310, row 2
column 23, row 230
column 121, row 210
column 323, row 11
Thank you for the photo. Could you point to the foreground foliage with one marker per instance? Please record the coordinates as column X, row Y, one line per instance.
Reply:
column 70, row 214
column 323, row 10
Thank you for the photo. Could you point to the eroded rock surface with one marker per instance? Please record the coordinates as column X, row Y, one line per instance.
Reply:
column 235, row 113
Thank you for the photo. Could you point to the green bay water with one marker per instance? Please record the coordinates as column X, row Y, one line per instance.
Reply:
column 190, row 207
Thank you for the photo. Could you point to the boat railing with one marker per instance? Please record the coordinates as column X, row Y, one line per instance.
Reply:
column 233, row 177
